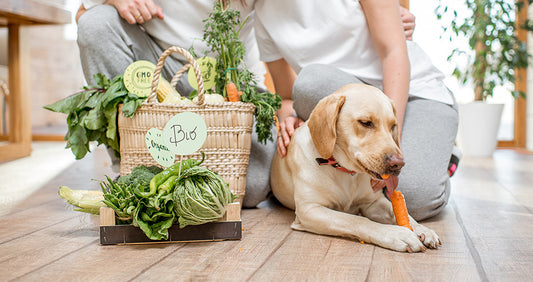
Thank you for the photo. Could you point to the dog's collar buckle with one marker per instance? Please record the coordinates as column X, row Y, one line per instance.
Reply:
column 331, row 161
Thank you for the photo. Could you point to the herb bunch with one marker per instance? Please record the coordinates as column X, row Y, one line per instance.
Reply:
column 92, row 114
column 221, row 33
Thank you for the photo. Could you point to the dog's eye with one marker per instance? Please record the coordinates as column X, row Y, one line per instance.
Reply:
column 367, row 124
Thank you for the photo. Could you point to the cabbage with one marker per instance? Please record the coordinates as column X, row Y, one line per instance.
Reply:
column 200, row 196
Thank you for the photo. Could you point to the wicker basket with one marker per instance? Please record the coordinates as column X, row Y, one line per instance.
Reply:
column 229, row 130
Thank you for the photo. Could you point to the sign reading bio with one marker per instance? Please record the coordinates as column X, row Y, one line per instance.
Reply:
column 184, row 134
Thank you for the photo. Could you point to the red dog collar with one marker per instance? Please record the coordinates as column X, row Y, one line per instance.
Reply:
column 331, row 161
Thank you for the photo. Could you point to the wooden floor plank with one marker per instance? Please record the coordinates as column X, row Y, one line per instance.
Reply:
column 264, row 230
column 499, row 224
column 450, row 262
column 28, row 221
column 94, row 262
column 35, row 251
column 306, row 256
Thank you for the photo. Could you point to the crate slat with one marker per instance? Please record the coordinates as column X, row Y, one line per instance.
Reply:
column 228, row 228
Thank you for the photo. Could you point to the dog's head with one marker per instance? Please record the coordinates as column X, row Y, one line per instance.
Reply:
column 357, row 125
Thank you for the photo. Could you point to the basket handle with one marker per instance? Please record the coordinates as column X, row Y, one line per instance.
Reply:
column 178, row 75
column 192, row 61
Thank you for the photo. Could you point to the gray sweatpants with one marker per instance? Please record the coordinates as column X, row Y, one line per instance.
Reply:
column 108, row 45
column 428, row 136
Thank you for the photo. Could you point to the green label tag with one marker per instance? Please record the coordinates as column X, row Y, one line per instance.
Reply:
column 138, row 78
column 185, row 133
column 207, row 68
column 158, row 148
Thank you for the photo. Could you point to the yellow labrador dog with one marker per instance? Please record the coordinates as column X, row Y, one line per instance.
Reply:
column 349, row 139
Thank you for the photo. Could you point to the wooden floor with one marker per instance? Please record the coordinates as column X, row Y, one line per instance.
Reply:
column 486, row 231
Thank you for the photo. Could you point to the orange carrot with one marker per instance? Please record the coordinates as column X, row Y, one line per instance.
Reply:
column 276, row 122
column 385, row 176
column 400, row 210
column 233, row 93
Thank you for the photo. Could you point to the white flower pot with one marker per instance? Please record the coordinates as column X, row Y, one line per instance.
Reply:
column 479, row 123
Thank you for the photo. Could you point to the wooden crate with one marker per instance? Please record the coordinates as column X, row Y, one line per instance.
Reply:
column 228, row 227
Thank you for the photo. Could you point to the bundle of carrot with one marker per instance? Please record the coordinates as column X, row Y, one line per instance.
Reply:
column 233, row 80
column 399, row 207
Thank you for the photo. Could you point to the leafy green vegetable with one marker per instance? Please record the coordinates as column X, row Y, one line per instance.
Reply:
column 163, row 177
column 121, row 198
column 266, row 106
column 200, row 196
column 92, row 114
column 145, row 197
column 87, row 201
column 221, row 33
column 140, row 175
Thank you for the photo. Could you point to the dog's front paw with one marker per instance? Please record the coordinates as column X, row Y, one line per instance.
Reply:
column 399, row 239
column 427, row 236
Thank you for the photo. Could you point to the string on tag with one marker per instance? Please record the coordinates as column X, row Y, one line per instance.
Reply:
column 179, row 170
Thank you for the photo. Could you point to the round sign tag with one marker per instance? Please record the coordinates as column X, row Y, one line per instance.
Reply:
column 138, row 78
column 158, row 148
column 207, row 68
column 185, row 133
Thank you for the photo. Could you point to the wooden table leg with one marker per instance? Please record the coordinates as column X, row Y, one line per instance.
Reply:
column 19, row 128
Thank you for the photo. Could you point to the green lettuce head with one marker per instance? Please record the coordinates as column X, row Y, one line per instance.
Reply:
column 200, row 196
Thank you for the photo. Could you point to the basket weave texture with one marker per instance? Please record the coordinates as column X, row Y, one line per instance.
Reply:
column 229, row 130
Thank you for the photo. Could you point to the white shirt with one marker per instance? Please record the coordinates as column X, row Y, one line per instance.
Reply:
column 335, row 33
column 183, row 26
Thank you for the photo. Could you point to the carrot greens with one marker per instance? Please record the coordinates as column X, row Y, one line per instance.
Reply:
column 221, row 33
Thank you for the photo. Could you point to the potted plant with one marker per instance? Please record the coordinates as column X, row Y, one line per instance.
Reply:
column 495, row 52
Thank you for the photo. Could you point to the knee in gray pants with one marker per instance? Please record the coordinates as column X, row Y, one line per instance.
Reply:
column 96, row 21
column 425, row 196
column 315, row 82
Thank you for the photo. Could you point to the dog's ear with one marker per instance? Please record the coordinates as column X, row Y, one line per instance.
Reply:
column 322, row 124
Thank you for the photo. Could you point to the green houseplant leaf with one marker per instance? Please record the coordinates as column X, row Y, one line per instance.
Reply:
column 491, row 31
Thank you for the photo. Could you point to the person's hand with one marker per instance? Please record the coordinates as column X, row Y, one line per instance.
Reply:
column 408, row 22
column 138, row 11
column 285, row 132
column 80, row 12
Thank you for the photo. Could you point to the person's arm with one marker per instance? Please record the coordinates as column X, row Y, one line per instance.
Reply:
column 384, row 23
column 283, row 77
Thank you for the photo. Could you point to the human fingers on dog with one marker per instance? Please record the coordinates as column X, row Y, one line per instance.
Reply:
column 282, row 150
column 287, row 128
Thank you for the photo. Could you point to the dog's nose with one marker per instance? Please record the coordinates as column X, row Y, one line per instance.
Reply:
column 395, row 162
